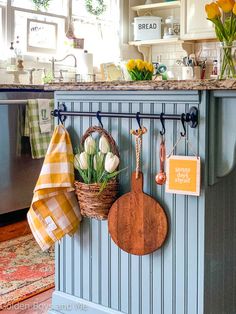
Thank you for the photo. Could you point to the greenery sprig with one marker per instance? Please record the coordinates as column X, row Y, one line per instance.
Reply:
column 95, row 7
column 41, row 4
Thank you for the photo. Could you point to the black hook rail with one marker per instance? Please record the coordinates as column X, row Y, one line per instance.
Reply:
column 190, row 117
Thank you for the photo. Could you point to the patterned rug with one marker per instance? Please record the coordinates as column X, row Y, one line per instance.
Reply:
column 24, row 270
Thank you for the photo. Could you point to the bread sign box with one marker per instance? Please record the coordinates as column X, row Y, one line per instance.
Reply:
column 147, row 27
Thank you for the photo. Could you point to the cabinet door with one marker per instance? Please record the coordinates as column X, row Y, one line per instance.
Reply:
column 194, row 24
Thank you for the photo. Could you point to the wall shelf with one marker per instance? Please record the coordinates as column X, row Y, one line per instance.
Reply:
column 157, row 6
column 165, row 8
column 145, row 46
column 155, row 42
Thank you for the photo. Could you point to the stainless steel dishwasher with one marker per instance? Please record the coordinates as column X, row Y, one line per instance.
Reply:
column 18, row 171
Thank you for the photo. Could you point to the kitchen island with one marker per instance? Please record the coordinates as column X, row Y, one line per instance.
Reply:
column 194, row 271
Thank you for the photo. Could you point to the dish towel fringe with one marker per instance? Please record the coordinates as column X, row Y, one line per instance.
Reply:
column 54, row 211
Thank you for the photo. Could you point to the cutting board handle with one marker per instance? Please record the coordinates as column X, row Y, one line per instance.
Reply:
column 137, row 184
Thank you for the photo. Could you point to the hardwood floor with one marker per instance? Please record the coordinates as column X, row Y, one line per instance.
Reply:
column 14, row 230
column 38, row 304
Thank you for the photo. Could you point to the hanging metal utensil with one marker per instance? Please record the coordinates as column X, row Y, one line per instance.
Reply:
column 161, row 176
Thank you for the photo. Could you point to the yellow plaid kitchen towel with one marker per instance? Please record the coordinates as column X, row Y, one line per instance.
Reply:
column 54, row 211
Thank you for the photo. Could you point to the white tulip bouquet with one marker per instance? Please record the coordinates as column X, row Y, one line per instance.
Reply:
column 97, row 164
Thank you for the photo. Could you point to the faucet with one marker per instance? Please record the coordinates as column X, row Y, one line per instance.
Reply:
column 53, row 60
column 31, row 75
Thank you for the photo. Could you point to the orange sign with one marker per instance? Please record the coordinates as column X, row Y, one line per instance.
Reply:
column 183, row 175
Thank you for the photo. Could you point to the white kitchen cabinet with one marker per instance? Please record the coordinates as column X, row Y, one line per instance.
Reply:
column 194, row 24
column 163, row 9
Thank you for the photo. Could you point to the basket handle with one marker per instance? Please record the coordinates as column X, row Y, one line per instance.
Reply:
column 103, row 132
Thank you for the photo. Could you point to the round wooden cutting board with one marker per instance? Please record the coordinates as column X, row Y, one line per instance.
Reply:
column 136, row 222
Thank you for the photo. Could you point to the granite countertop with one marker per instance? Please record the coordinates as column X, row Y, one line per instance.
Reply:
column 16, row 87
column 129, row 86
column 145, row 85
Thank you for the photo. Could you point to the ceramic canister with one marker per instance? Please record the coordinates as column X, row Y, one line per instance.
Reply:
column 147, row 27
column 187, row 73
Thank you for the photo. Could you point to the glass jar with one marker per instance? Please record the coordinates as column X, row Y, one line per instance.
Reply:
column 227, row 60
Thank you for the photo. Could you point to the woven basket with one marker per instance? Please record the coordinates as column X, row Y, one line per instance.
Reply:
column 95, row 205
column 92, row 203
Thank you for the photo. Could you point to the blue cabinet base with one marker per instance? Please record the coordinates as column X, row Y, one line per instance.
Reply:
column 69, row 304
column 193, row 272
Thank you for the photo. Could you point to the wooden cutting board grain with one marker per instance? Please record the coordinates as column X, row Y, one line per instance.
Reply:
column 136, row 222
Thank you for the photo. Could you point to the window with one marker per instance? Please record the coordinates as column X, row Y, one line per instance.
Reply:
column 22, row 20
column 58, row 7
column 2, row 20
column 1, row 25
column 22, row 12
column 100, row 33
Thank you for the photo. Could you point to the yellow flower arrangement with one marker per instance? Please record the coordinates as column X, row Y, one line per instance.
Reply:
column 212, row 11
column 140, row 65
column 225, row 29
column 130, row 65
column 140, row 70
column 226, row 5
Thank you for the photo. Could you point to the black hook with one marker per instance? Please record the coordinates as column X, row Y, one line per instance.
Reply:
column 183, row 124
column 138, row 120
column 60, row 117
column 99, row 118
column 163, row 132
column 57, row 114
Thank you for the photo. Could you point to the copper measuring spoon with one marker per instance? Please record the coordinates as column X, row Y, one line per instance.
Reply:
column 161, row 176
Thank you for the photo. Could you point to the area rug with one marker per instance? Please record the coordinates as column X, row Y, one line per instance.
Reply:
column 24, row 270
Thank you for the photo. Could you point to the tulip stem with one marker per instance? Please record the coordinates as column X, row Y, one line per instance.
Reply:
column 231, row 25
column 99, row 180
column 228, row 67
column 89, row 168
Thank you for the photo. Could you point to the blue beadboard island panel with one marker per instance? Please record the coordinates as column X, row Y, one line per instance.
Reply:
column 94, row 276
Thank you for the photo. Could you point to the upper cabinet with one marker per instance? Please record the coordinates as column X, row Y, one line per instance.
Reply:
column 194, row 24
column 167, row 29
column 190, row 13
column 152, row 7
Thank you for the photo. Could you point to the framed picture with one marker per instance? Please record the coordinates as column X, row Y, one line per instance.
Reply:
column 41, row 36
column 111, row 72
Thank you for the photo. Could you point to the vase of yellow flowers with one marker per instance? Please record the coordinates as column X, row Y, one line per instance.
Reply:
column 227, row 60
column 222, row 14
column 140, row 70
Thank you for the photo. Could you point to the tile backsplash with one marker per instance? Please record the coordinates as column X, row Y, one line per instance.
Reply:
column 209, row 50
column 168, row 54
